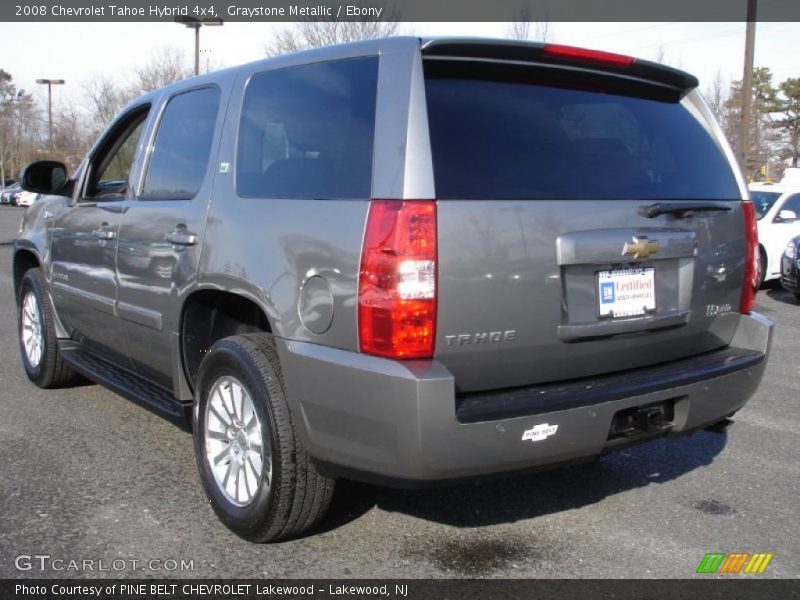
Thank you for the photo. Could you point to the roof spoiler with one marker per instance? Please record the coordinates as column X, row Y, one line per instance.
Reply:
column 558, row 55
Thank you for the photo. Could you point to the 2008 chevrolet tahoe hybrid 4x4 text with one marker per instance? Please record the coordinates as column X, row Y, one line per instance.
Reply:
column 401, row 260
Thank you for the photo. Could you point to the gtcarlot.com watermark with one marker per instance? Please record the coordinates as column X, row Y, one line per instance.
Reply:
column 48, row 563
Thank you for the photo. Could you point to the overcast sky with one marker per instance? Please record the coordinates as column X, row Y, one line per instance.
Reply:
column 77, row 52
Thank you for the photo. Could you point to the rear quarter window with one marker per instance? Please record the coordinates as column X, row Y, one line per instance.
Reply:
column 307, row 131
column 509, row 136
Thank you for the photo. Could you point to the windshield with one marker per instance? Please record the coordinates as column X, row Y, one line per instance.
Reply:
column 763, row 202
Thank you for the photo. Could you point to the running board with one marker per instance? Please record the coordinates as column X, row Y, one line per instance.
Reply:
column 125, row 383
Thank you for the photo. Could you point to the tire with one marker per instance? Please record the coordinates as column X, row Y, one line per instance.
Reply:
column 762, row 267
column 44, row 367
column 290, row 496
column 797, row 296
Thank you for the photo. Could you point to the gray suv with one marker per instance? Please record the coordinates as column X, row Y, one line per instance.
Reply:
column 403, row 261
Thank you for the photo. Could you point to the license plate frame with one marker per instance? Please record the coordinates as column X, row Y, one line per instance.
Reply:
column 625, row 293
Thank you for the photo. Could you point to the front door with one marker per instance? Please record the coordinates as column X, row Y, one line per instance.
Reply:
column 84, row 241
column 162, row 228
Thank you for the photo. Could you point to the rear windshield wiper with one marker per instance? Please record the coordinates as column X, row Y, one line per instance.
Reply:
column 681, row 209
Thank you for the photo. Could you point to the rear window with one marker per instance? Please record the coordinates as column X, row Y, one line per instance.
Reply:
column 763, row 201
column 508, row 135
column 307, row 131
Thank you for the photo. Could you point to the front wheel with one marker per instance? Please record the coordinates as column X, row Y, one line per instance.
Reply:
column 259, row 478
column 37, row 336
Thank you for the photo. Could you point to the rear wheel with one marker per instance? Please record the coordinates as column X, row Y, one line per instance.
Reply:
column 261, row 482
column 797, row 296
column 37, row 336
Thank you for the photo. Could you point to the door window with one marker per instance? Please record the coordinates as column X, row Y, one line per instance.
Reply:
column 792, row 203
column 182, row 146
column 110, row 166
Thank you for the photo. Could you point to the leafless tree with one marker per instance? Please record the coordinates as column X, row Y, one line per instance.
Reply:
column 716, row 96
column 314, row 33
column 523, row 28
column 166, row 65
column 72, row 136
column 104, row 98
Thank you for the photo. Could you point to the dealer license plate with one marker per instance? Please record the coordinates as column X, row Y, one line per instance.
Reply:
column 626, row 292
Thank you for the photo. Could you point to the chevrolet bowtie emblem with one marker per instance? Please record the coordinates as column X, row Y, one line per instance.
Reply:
column 640, row 247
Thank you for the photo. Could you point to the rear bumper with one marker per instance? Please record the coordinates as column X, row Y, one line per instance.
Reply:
column 402, row 423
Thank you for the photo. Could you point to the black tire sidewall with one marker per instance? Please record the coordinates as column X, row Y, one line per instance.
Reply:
column 31, row 284
column 224, row 359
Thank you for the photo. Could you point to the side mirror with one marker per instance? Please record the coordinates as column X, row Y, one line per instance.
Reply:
column 44, row 177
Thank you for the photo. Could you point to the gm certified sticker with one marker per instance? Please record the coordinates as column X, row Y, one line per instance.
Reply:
column 539, row 432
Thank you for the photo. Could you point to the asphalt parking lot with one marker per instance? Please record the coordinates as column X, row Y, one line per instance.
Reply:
column 86, row 474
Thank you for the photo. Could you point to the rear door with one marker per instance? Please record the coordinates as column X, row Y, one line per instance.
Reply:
column 555, row 261
column 162, row 228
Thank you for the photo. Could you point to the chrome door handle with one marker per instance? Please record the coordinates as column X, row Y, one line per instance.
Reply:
column 104, row 234
column 181, row 238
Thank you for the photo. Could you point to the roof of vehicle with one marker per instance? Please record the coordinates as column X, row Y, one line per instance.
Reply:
column 462, row 47
column 780, row 188
column 473, row 47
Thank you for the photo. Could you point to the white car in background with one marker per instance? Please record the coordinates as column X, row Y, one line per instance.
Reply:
column 778, row 214
column 26, row 198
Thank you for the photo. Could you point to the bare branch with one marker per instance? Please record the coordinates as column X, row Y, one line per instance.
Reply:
column 166, row 65
column 314, row 33
column 523, row 28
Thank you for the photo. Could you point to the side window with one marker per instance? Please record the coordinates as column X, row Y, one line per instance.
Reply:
column 792, row 203
column 307, row 131
column 182, row 147
column 110, row 167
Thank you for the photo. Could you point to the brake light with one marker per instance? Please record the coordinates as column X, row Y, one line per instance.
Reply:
column 397, row 282
column 596, row 56
column 751, row 263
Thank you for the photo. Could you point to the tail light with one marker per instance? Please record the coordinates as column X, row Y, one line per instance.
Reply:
column 751, row 263
column 583, row 54
column 397, row 282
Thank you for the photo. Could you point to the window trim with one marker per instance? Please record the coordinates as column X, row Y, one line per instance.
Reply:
column 151, row 142
column 246, row 84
